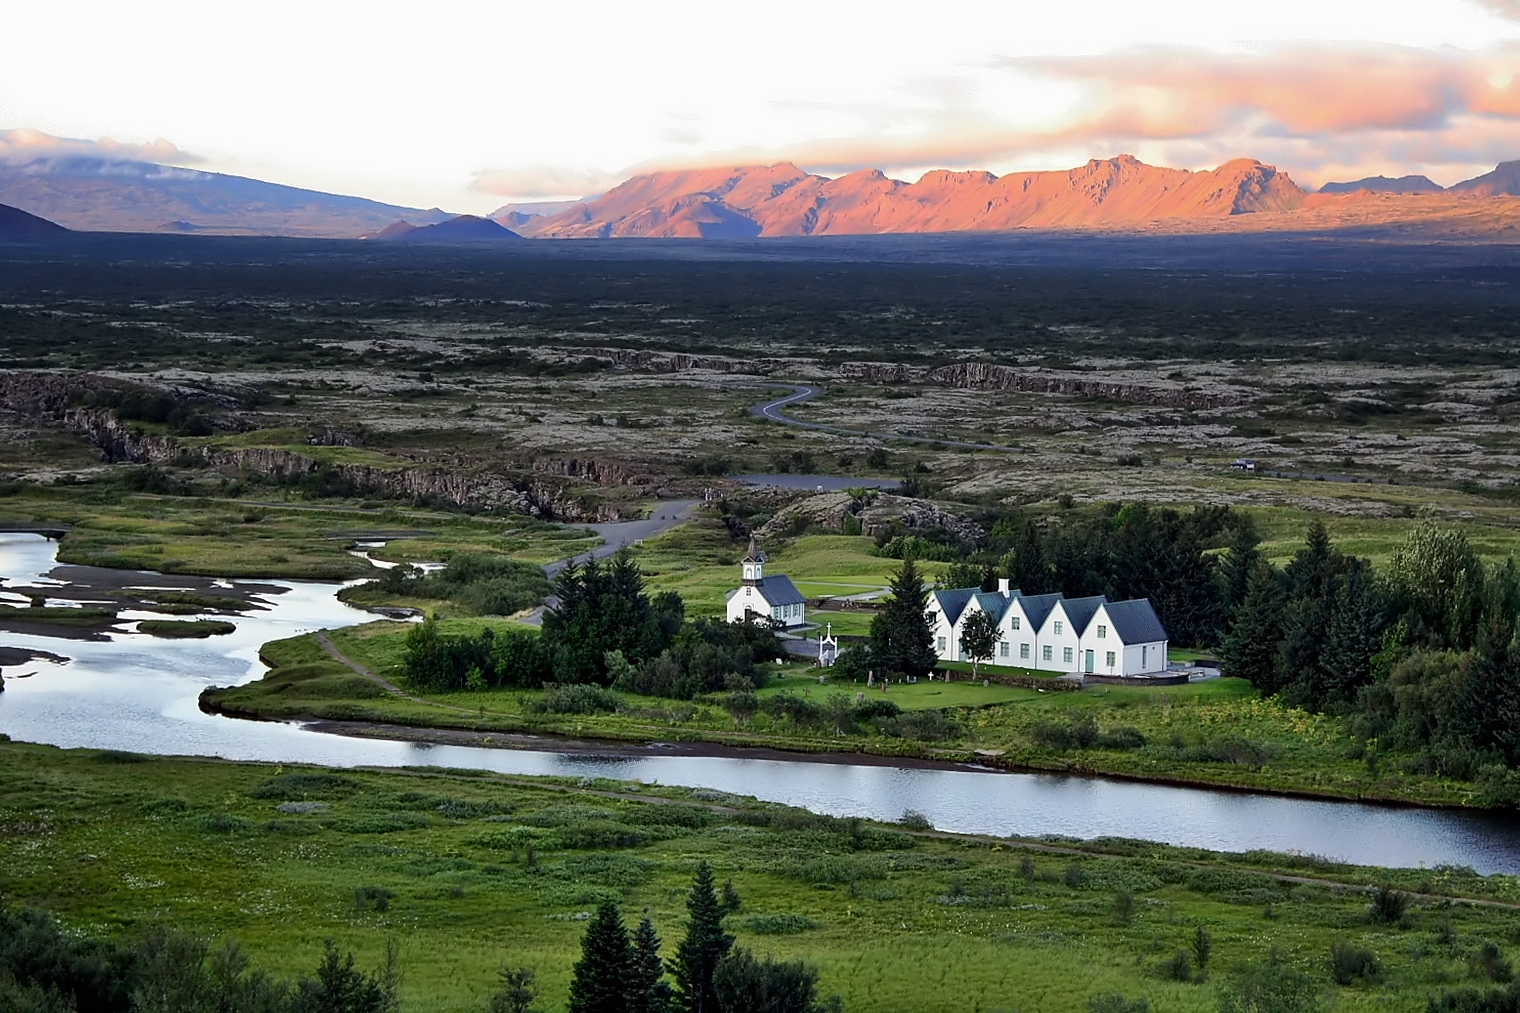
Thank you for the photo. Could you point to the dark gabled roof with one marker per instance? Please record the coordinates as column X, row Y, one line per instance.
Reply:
column 992, row 601
column 753, row 555
column 953, row 601
column 779, row 590
column 1038, row 606
column 1079, row 611
column 1135, row 621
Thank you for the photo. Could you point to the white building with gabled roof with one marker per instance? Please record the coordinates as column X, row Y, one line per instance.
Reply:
column 1053, row 633
column 775, row 598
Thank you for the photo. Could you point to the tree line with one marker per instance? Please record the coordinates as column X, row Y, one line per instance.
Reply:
column 605, row 630
column 1421, row 657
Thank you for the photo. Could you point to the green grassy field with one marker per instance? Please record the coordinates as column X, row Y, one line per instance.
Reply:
column 233, row 538
column 275, row 857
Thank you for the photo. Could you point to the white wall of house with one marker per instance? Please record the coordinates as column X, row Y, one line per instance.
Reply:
column 1018, row 636
column 1102, row 640
column 958, row 652
column 1143, row 659
column 1058, row 643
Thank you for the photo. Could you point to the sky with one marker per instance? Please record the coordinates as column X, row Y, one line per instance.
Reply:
column 468, row 105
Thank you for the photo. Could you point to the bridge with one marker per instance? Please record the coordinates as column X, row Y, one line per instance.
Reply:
column 52, row 532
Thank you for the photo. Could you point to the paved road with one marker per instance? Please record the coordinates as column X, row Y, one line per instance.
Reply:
column 666, row 515
column 772, row 410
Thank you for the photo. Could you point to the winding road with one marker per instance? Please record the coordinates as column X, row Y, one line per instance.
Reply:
column 772, row 410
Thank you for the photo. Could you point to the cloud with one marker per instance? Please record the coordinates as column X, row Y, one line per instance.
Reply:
column 544, row 182
column 1297, row 91
column 1503, row 8
column 22, row 147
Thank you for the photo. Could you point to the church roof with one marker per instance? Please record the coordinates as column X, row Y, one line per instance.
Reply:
column 779, row 590
column 1135, row 621
column 753, row 555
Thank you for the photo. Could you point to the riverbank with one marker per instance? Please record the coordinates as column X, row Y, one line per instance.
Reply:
column 1217, row 734
column 471, row 871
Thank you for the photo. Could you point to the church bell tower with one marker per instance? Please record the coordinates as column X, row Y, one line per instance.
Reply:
column 754, row 564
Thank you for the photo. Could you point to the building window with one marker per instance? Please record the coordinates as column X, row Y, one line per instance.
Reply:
column 1045, row 653
column 1102, row 632
column 1066, row 655
column 1003, row 649
column 1060, row 626
column 1109, row 657
column 1024, row 651
column 942, row 645
column 1015, row 622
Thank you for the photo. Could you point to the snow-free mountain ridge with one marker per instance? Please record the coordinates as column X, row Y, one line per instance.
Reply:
column 783, row 200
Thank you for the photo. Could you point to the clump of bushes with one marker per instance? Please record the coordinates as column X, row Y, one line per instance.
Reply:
column 1082, row 732
column 781, row 924
column 1350, row 963
column 577, row 699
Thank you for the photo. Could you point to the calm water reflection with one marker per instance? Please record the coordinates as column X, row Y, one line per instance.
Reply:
column 138, row 693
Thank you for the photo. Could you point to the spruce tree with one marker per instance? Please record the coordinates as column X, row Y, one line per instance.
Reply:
column 1353, row 638
column 705, row 944
column 1236, row 566
column 648, row 992
column 901, row 639
column 1251, row 646
column 603, row 975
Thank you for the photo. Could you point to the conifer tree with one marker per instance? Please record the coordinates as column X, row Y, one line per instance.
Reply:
column 603, row 974
column 705, row 944
column 901, row 640
column 649, row 992
column 1236, row 566
column 1250, row 648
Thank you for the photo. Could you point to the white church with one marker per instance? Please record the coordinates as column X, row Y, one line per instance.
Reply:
column 1053, row 633
column 775, row 598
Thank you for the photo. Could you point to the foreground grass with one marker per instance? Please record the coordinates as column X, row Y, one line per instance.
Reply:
column 1218, row 732
column 274, row 856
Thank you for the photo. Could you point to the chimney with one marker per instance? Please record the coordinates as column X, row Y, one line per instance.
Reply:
column 1005, row 586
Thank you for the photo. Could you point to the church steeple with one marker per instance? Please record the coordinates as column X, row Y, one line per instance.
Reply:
column 754, row 564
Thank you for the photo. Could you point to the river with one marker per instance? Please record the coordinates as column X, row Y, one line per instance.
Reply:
column 134, row 692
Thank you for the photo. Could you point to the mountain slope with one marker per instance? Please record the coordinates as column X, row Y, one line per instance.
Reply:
column 782, row 200
column 96, row 195
column 1504, row 181
column 459, row 229
column 16, row 224
column 1386, row 184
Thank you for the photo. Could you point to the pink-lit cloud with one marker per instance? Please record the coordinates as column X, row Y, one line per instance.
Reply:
column 540, row 182
column 1503, row 8
column 1319, row 111
column 19, row 147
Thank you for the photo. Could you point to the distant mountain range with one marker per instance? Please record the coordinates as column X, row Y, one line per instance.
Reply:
column 1121, row 192
column 108, row 196
column 744, row 202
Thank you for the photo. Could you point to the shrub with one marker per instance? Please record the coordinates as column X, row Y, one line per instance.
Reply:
column 780, row 924
column 298, row 787
column 1489, row 962
column 914, row 820
column 921, row 726
column 1350, row 963
column 577, row 698
column 1124, row 907
column 1114, row 1002
column 1388, row 905
column 1177, row 967
column 372, row 898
